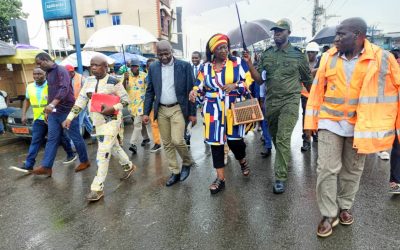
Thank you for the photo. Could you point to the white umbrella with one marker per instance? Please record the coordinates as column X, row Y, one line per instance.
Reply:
column 119, row 35
column 86, row 57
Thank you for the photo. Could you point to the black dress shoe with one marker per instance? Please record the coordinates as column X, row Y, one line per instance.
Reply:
column 266, row 153
column 173, row 179
column 306, row 146
column 185, row 172
column 144, row 142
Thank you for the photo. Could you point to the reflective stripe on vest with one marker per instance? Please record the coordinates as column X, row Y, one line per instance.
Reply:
column 37, row 107
column 374, row 134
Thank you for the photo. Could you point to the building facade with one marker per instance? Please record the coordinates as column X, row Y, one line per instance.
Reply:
column 156, row 16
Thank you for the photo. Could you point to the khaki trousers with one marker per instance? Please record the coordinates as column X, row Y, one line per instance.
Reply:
column 339, row 171
column 171, row 125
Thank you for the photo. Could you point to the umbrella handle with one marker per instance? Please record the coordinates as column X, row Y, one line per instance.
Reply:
column 240, row 25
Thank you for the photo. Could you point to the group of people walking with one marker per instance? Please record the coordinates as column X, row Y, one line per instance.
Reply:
column 350, row 106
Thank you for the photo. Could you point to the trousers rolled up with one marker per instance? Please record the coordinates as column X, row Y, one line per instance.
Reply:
column 339, row 170
column 171, row 125
column 281, row 123
column 107, row 145
column 139, row 129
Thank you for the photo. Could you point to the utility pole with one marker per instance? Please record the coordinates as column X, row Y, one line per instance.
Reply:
column 317, row 12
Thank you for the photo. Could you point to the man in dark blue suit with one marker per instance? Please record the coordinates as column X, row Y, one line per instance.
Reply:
column 169, row 83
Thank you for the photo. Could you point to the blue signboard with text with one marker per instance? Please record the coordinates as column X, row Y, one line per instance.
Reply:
column 56, row 9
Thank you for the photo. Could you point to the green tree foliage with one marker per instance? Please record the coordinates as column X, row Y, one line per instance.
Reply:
column 9, row 9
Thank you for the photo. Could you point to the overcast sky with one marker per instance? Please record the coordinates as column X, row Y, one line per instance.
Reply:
column 383, row 13
column 198, row 28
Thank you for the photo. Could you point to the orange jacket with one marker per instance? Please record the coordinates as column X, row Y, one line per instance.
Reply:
column 370, row 101
column 78, row 82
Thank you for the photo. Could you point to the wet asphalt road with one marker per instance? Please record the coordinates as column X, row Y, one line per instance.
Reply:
column 141, row 213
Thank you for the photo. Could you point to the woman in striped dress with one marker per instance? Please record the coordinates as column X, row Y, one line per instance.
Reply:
column 222, row 80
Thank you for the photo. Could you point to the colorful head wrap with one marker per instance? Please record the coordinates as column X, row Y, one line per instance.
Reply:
column 217, row 40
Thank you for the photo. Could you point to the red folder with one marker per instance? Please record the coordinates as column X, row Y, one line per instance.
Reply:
column 99, row 99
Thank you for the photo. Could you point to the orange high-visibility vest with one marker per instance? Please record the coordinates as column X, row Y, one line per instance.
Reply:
column 78, row 80
column 370, row 101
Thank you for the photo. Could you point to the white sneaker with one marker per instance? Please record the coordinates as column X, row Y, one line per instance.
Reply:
column 384, row 155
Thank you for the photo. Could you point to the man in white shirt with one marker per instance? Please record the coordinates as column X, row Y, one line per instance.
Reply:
column 169, row 82
column 5, row 111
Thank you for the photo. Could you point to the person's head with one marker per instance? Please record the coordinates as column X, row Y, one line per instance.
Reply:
column 44, row 61
column 164, row 52
column 396, row 53
column 149, row 62
column 282, row 31
column 218, row 47
column 312, row 50
column 39, row 75
column 98, row 66
column 135, row 65
column 325, row 48
column 196, row 58
column 350, row 35
column 71, row 70
column 235, row 53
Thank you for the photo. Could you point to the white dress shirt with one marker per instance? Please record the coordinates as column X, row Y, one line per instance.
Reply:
column 168, row 94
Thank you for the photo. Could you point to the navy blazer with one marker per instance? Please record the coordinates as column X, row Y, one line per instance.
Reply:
column 183, row 79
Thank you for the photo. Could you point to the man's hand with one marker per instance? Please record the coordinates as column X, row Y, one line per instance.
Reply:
column 145, row 119
column 310, row 132
column 107, row 110
column 23, row 119
column 48, row 109
column 229, row 87
column 192, row 96
column 246, row 57
column 66, row 124
column 193, row 119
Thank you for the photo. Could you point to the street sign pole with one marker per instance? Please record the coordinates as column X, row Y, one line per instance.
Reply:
column 76, row 36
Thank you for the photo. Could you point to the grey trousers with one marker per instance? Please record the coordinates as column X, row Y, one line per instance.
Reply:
column 339, row 171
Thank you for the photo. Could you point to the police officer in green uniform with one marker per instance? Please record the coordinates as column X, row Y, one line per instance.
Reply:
column 283, row 67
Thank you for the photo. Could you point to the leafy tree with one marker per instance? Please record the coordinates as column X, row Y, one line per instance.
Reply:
column 9, row 9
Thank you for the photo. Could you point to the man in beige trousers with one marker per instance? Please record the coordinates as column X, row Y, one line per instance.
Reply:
column 169, row 83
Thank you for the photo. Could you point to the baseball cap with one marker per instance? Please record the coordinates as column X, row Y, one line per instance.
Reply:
column 69, row 68
column 135, row 62
column 283, row 24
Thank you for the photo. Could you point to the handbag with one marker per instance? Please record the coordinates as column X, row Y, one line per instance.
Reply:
column 247, row 111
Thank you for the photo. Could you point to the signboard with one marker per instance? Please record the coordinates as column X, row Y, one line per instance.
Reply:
column 56, row 9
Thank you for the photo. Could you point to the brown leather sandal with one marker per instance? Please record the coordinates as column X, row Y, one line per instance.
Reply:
column 217, row 186
column 244, row 166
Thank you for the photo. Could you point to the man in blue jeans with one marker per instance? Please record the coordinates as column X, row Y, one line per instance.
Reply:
column 60, row 101
column 36, row 97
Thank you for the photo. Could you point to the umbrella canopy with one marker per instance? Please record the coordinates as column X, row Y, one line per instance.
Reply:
column 22, row 56
column 119, row 57
column 253, row 32
column 119, row 35
column 86, row 57
column 6, row 49
column 325, row 36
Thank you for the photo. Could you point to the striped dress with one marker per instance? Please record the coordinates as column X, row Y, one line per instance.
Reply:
column 216, row 111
